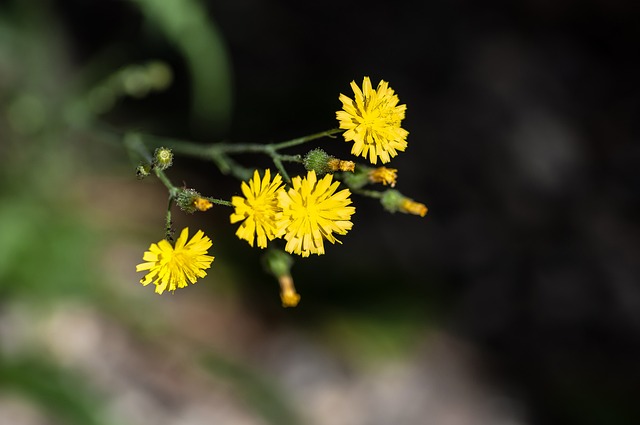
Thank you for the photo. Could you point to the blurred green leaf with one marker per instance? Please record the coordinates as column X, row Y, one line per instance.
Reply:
column 58, row 391
column 259, row 394
column 186, row 24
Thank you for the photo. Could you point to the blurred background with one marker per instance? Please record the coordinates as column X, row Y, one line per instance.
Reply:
column 516, row 300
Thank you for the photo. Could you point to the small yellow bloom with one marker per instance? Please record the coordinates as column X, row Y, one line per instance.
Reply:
column 202, row 204
column 336, row 164
column 410, row 206
column 372, row 121
column 170, row 267
column 288, row 294
column 384, row 175
column 312, row 212
column 394, row 201
column 259, row 209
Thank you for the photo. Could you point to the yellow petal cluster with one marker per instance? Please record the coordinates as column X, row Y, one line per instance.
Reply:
column 410, row 206
column 372, row 121
column 258, row 210
column 312, row 211
column 384, row 175
column 171, row 267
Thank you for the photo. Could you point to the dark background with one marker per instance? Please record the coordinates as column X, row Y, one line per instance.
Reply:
column 523, row 144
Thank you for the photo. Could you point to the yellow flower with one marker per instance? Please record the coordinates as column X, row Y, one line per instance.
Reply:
column 202, row 204
column 384, row 175
column 372, row 121
column 312, row 212
column 259, row 209
column 335, row 164
column 288, row 294
column 410, row 206
column 170, row 267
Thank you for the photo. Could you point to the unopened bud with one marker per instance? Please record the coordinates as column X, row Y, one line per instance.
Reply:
column 143, row 170
column 278, row 263
column 163, row 158
column 318, row 161
column 186, row 200
column 394, row 201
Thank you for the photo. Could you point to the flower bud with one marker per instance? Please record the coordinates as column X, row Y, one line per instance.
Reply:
column 318, row 161
column 202, row 204
column 278, row 263
column 186, row 200
column 163, row 158
column 323, row 163
column 394, row 201
column 143, row 170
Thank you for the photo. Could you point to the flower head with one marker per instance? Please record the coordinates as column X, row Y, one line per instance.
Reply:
column 372, row 121
column 259, row 209
column 384, row 175
column 170, row 267
column 202, row 204
column 288, row 294
column 410, row 206
column 312, row 212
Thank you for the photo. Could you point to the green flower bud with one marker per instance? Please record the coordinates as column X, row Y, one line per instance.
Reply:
column 394, row 201
column 357, row 179
column 278, row 263
column 143, row 170
column 318, row 161
column 391, row 200
column 163, row 158
column 186, row 200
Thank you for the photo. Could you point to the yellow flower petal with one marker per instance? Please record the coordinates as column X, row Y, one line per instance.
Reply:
column 170, row 267
column 258, row 210
column 372, row 121
column 312, row 212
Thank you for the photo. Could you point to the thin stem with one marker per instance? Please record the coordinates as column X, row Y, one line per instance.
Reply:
column 291, row 158
column 168, row 235
column 305, row 139
column 281, row 169
column 370, row 193
column 173, row 191
column 220, row 202
column 135, row 144
column 208, row 151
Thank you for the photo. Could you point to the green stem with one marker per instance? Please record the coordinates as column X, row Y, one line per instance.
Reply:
column 210, row 150
column 219, row 202
column 168, row 233
column 370, row 193
column 291, row 158
column 281, row 169
column 135, row 144
column 305, row 139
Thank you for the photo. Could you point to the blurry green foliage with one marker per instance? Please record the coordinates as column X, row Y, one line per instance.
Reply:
column 186, row 24
column 60, row 393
